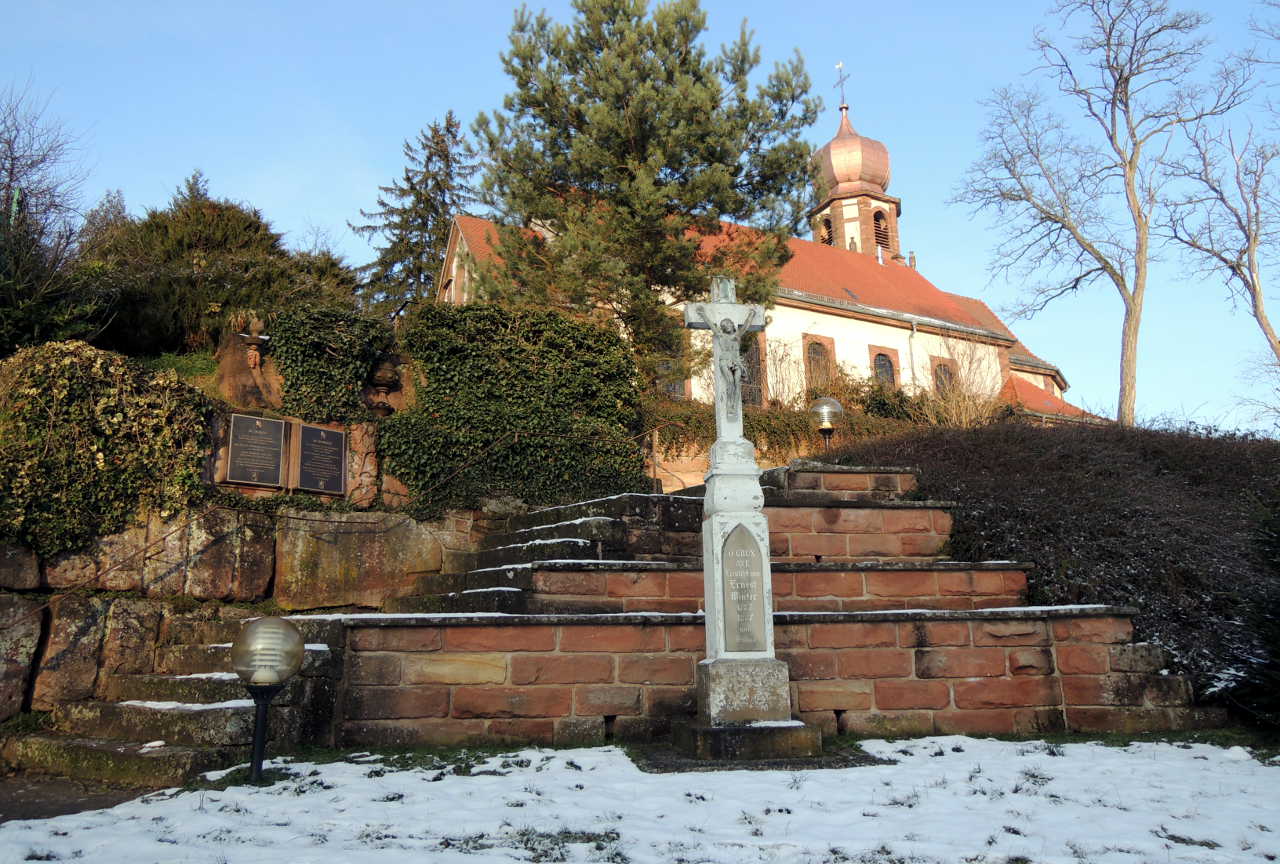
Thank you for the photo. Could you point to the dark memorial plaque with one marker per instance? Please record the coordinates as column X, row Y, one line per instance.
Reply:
column 322, row 460
column 255, row 454
column 742, row 604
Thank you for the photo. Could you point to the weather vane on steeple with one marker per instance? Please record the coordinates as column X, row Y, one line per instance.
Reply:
column 843, row 77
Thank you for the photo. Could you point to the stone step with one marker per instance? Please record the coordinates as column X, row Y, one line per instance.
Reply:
column 202, row 687
column 850, row 483
column 197, row 631
column 549, row 549
column 317, row 661
column 120, row 763
column 205, row 630
column 835, row 586
column 507, row 600
column 605, row 530
column 200, row 725
column 525, row 575
column 669, row 512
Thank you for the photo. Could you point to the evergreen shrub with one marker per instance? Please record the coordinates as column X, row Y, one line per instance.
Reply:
column 1184, row 525
column 325, row 354
column 522, row 402
column 87, row 438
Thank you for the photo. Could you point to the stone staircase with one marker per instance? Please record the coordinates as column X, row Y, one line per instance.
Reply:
column 190, row 714
column 842, row 539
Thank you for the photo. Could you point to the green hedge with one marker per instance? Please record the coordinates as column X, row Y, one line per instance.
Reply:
column 88, row 437
column 325, row 354
column 520, row 402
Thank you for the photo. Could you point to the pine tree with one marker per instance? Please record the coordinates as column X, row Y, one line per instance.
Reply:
column 622, row 147
column 414, row 214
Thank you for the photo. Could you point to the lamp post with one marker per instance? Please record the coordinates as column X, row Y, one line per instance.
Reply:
column 266, row 654
column 827, row 410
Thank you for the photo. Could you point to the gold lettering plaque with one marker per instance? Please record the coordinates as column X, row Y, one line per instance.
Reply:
column 742, row 604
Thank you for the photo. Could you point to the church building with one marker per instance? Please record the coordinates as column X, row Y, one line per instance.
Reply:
column 849, row 298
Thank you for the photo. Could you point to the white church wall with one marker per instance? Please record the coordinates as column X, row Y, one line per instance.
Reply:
column 976, row 364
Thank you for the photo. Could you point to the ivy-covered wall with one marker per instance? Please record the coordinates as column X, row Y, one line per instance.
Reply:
column 87, row 438
column 521, row 402
column 325, row 355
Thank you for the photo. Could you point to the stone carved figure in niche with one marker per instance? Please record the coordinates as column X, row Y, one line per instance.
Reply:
column 253, row 356
column 729, row 365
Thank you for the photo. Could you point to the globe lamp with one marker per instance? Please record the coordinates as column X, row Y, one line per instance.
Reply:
column 266, row 654
column 828, row 411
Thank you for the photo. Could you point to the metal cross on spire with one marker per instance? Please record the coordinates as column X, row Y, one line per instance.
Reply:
column 840, row 79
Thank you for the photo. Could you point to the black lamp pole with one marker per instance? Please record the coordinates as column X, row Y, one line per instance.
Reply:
column 262, row 695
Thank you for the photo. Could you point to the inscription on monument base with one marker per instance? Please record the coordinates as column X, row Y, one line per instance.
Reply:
column 742, row 603
column 255, row 451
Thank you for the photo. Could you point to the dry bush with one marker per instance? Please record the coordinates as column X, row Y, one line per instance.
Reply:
column 1183, row 525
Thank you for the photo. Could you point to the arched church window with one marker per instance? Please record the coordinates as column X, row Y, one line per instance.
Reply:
column 827, row 236
column 881, row 226
column 817, row 365
column 883, row 369
column 753, row 372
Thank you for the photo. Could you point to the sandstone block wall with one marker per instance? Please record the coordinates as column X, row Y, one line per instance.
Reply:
column 98, row 612
column 446, row 682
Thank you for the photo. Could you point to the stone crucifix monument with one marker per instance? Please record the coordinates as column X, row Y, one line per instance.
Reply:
column 744, row 701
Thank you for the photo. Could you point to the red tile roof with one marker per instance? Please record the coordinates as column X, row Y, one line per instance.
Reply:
column 830, row 273
column 1017, row 352
column 480, row 235
column 851, row 277
column 1023, row 394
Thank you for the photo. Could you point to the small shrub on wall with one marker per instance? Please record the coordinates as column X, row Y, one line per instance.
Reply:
column 521, row 402
column 325, row 354
column 88, row 437
column 778, row 433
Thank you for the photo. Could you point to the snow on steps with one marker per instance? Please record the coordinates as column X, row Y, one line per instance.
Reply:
column 193, row 703
column 123, row 763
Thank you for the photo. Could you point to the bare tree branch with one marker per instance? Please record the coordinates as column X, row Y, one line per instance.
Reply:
column 1076, row 203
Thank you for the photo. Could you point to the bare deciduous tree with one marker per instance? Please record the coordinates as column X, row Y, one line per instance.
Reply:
column 40, row 179
column 1077, row 207
column 1228, row 216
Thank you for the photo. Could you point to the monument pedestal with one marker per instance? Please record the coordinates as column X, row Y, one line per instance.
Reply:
column 739, row 692
column 744, row 712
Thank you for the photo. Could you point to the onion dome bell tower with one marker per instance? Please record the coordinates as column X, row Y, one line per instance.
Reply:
column 856, row 212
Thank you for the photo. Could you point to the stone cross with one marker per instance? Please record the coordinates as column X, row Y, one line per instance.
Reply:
column 743, row 690
column 735, row 534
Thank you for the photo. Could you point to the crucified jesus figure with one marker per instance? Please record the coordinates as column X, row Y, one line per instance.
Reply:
column 727, row 352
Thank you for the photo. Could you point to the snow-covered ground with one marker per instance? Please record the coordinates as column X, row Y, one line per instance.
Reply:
column 951, row 799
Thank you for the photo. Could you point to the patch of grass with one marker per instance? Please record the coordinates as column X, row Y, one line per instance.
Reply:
column 26, row 723
column 188, row 366
column 1165, row 834
column 445, row 761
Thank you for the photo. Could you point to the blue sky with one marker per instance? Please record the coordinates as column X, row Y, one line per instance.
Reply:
column 300, row 109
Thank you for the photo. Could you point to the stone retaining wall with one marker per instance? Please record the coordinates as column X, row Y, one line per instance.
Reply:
column 797, row 587
column 437, row 680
